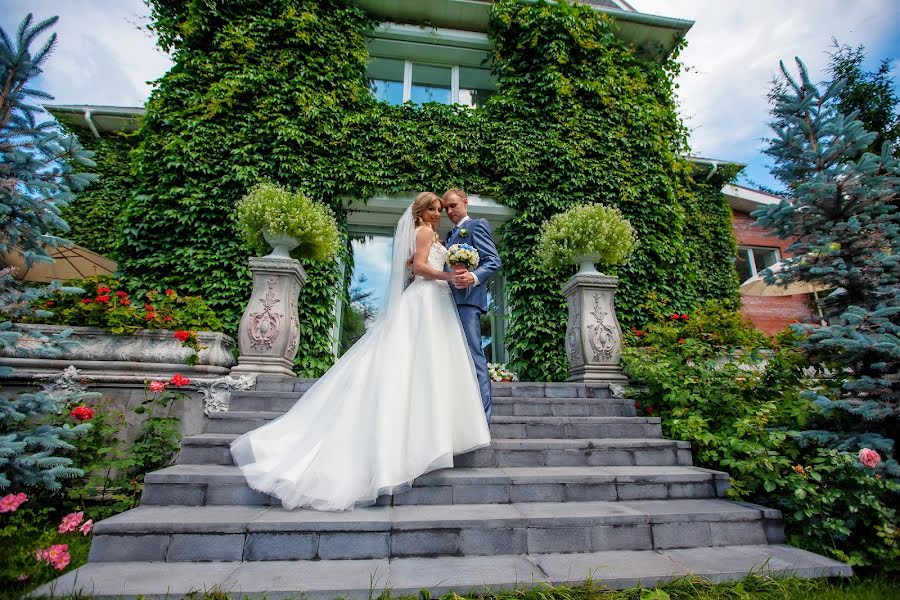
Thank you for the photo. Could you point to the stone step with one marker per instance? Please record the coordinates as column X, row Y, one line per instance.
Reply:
column 467, row 576
column 213, row 448
column 279, row 383
column 235, row 533
column 518, row 427
column 214, row 485
column 503, row 405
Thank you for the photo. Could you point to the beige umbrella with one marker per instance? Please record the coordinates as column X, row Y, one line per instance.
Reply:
column 757, row 286
column 70, row 261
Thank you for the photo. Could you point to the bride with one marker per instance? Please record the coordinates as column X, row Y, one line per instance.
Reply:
column 401, row 402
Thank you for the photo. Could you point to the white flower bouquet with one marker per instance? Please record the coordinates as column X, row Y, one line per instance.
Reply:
column 463, row 254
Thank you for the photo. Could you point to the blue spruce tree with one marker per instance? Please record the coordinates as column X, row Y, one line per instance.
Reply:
column 841, row 206
column 37, row 177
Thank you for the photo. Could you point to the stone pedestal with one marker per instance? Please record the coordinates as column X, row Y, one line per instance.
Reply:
column 269, row 331
column 593, row 336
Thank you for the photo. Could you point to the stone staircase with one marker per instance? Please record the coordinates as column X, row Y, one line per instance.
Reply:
column 573, row 485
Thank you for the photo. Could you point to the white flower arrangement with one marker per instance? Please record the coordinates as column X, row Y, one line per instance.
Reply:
column 498, row 372
column 464, row 254
column 591, row 230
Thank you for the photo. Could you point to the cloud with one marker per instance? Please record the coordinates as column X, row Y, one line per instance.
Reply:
column 733, row 53
column 101, row 56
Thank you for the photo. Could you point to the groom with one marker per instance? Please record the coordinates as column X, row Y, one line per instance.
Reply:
column 470, row 287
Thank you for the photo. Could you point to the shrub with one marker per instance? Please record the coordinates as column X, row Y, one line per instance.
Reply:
column 589, row 230
column 288, row 213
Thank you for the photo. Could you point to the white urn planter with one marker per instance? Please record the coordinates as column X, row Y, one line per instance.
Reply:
column 269, row 332
column 281, row 244
column 593, row 335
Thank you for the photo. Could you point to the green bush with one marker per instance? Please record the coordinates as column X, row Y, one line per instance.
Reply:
column 591, row 230
column 282, row 212
column 738, row 398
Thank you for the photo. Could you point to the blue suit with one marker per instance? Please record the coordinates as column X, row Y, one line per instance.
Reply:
column 472, row 302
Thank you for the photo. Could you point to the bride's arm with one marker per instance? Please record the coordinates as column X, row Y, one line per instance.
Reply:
column 424, row 239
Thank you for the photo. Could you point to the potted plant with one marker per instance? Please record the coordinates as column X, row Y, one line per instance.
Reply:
column 586, row 235
column 287, row 221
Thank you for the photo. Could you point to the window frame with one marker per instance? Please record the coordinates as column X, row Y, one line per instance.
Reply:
column 408, row 79
column 748, row 256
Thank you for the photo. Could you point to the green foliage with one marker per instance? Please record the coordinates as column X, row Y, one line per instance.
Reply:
column 108, row 302
column 96, row 217
column 844, row 211
column 588, row 230
column 739, row 399
column 284, row 213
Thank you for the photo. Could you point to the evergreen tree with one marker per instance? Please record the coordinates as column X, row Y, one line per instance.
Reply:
column 37, row 177
column 870, row 93
column 842, row 209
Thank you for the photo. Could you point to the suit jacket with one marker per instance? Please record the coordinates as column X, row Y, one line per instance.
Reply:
column 479, row 236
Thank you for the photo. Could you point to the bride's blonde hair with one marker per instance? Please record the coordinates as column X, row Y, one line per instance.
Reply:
column 421, row 204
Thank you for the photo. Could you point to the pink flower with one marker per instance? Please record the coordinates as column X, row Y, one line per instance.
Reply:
column 21, row 577
column 157, row 386
column 70, row 522
column 12, row 502
column 869, row 457
column 56, row 555
column 86, row 527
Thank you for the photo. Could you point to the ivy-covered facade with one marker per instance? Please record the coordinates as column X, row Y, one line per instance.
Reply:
column 530, row 106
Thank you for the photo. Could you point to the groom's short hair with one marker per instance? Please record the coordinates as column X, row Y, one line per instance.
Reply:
column 455, row 192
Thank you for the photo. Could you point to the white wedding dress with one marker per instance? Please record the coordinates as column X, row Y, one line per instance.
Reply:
column 400, row 403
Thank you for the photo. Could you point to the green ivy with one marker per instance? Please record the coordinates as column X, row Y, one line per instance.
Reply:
column 277, row 89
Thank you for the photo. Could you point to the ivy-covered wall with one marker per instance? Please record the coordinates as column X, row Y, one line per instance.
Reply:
column 277, row 89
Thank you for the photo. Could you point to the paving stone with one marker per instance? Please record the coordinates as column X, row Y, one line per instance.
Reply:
column 614, row 569
column 632, row 491
column 491, row 542
column 567, row 458
column 692, row 490
column 281, row 546
column 433, row 494
column 589, row 492
column 174, row 493
column 626, row 537
column 608, row 458
column 354, row 545
column 116, row 548
column 737, row 534
column 424, row 543
column 538, row 492
column 235, row 495
column 681, row 535
column 480, row 493
column 558, row 539
column 519, row 458
column 204, row 547
column 730, row 562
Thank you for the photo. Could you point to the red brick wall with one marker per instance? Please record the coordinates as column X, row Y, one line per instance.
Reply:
column 769, row 314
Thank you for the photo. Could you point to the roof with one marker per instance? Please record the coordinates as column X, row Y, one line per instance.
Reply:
column 747, row 200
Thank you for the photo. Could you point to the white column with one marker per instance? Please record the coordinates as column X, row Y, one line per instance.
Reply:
column 407, row 81
column 454, row 84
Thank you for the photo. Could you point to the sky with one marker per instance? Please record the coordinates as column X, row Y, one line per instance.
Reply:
column 105, row 56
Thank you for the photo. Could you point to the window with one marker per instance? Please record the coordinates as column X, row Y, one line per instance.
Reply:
column 386, row 80
column 750, row 261
column 396, row 81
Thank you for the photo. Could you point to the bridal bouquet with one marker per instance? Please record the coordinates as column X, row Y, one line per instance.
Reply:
column 463, row 254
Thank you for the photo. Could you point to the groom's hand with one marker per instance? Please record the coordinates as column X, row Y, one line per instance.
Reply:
column 463, row 279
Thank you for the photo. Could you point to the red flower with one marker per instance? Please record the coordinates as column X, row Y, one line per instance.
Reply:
column 103, row 299
column 649, row 410
column 149, row 307
column 182, row 336
column 178, row 380
column 49, row 303
column 170, row 292
column 82, row 413
column 685, row 317
column 103, row 290
column 674, row 317
column 168, row 318
column 86, row 300
column 122, row 294
column 680, row 340
column 125, row 302
column 150, row 316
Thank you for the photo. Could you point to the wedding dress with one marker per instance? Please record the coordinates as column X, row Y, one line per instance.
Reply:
column 401, row 402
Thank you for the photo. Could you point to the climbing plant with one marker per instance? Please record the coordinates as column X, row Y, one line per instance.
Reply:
column 277, row 89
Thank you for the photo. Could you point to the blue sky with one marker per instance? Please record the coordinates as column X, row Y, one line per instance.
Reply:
column 105, row 56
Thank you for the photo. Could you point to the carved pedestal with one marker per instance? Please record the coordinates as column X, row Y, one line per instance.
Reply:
column 269, row 330
column 593, row 336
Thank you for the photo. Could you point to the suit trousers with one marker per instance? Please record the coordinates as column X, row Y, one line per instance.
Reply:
column 470, row 317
